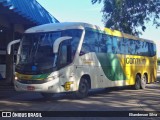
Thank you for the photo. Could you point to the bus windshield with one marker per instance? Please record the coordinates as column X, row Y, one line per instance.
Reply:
column 36, row 50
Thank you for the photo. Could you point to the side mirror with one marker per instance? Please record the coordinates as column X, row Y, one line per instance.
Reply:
column 10, row 45
column 58, row 41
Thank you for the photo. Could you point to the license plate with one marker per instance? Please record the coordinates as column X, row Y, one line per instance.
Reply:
column 30, row 88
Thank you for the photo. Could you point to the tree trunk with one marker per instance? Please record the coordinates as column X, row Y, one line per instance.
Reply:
column 10, row 58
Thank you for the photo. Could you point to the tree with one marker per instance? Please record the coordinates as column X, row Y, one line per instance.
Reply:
column 128, row 15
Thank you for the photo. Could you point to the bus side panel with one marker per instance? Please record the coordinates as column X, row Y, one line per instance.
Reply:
column 133, row 65
column 110, row 70
column 111, row 66
column 113, row 70
column 151, row 67
column 87, row 65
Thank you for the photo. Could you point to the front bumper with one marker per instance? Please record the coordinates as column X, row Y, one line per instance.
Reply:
column 51, row 86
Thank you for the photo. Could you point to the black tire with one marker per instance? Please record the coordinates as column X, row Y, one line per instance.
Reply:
column 137, row 85
column 143, row 82
column 83, row 89
column 47, row 95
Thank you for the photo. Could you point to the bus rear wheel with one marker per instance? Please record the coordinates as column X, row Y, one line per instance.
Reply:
column 137, row 85
column 83, row 89
column 47, row 95
column 143, row 82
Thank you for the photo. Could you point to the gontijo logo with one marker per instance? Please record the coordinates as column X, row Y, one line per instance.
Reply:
column 135, row 61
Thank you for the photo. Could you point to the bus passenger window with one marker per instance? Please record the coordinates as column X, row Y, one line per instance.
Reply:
column 85, row 49
column 89, row 43
column 114, row 45
column 145, row 49
column 138, row 46
column 124, row 46
column 154, row 49
column 151, row 50
column 132, row 47
column 121, row 46
column 102, row 44
column 109, row 44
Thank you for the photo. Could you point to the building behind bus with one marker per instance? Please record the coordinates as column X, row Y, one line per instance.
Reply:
column 15, row 17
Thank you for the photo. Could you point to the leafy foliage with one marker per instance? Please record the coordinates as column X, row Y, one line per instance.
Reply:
column 129, row 15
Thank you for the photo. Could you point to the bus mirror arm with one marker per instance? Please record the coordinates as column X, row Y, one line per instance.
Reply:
column 58, row 42
column 55, row 60
column 10, row 45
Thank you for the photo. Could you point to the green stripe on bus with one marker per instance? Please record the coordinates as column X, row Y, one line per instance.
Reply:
column 111, row 66
column 41, row 76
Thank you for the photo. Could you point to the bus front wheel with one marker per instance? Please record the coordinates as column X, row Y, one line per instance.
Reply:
column 137, row 85
column 83, row 89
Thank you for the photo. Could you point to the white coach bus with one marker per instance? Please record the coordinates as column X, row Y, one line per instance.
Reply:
column 76, row 57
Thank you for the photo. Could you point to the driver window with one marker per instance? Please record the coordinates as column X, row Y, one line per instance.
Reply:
column 65, row 53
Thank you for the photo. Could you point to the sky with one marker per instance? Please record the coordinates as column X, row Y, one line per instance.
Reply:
column 84, row 11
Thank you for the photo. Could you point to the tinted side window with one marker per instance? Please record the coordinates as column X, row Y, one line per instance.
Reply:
column 115, row 48
column 152, row 50
column 108, row 44
column 90, row 43
column 131, row 47
column 123, row 46
column 137, row 47
column 102, row 43
column 119, row 45
column 140, row 48
column 105, row 44
column 145, row 49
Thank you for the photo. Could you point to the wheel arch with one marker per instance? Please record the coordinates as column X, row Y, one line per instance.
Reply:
column 146, row 74
column 137, row 81
column 139, row 74
column 87, row 76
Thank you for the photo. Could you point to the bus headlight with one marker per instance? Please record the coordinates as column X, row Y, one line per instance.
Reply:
column 51, row 78
column 16, row 78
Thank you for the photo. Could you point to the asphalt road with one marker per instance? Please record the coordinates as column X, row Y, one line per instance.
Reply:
column 115, row 99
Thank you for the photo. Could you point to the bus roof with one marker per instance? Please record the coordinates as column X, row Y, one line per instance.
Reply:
column 124, row 35
column 79, row 25
column 60, row 26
